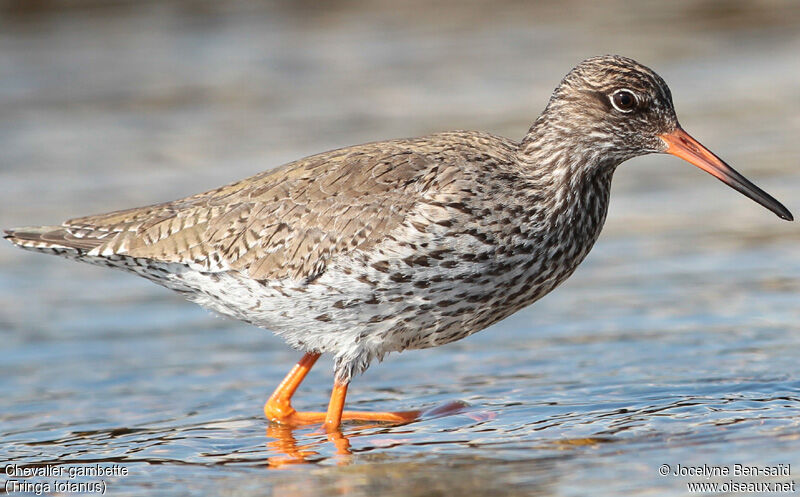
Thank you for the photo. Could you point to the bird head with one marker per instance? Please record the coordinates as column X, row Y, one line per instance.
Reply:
column 617, row 109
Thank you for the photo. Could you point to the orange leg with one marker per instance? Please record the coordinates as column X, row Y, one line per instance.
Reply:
column 336, row 413
column 279, row 407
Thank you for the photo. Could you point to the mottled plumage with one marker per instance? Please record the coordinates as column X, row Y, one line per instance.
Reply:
column 397, row 244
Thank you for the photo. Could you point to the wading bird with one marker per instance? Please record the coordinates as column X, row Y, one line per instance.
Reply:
column 399, row 244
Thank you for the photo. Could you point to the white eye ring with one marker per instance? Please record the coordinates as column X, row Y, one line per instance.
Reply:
column 624, row 100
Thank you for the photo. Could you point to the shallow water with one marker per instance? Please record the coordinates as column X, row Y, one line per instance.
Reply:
column 675, row 343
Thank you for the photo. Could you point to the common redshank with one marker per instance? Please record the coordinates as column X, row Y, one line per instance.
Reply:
column 399, row 244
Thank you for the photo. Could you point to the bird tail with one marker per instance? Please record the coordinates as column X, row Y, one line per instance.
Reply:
column 57, row 240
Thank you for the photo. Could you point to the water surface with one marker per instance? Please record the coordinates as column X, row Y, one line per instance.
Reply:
column 675, row 343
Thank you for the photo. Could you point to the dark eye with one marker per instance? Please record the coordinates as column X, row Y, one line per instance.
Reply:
column 623, row 100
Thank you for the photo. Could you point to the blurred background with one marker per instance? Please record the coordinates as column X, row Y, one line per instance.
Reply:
column 675, row 342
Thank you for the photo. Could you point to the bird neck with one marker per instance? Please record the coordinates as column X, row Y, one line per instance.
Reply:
column 571, row 178
column 556, row 156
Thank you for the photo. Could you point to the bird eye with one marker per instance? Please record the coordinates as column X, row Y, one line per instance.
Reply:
column 623, row 100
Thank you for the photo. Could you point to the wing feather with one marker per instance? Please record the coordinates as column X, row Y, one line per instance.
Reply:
column 284, row 223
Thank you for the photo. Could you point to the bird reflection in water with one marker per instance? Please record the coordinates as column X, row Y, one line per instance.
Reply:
column 288, row 450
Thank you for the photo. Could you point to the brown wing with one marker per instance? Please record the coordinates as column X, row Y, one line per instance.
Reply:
column 281, row 223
